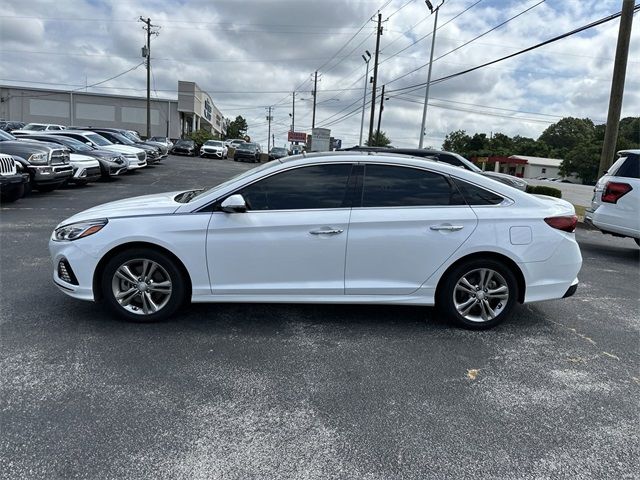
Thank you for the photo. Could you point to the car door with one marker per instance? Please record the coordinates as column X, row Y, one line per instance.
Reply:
column 409, row 222
column 292, row 238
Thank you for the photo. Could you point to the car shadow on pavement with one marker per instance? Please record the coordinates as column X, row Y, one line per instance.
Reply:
column 629, row 251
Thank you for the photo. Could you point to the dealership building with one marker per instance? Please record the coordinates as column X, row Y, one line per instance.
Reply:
column 192, row 110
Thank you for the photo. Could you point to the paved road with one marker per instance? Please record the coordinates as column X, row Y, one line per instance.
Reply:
column 309, row 391
column 571, row 192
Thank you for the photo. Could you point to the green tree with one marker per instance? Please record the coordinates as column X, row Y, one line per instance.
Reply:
column 236, row 128
column 201, row 136
column 583, row 160
column 379, row 139
column 457, row 141
column 501, row 144
column 529, row 146
column 566, row 134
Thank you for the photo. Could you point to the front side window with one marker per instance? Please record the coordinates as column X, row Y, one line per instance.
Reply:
column 391, row 186
column 313, row 187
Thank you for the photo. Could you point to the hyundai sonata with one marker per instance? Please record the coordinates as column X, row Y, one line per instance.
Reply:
column 326, row 228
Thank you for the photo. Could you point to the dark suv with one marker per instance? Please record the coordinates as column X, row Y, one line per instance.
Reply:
column 247, row 152
column 47, row 163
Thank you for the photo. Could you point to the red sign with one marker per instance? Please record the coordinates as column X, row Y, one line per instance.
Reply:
column 297, row 137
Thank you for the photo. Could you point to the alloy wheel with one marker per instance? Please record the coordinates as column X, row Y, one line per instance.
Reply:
column 141, row 286
column 480, row 295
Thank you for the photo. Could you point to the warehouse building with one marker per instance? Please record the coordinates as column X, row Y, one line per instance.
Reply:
column 175, row 118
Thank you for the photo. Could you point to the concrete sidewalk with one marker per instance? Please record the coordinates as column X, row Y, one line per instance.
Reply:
column 571, row 192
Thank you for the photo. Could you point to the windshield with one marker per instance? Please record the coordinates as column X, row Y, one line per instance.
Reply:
column 240, row 176
column 185, row 142
column 213, row 143
column 159, row 139
column 6, row 136
column 467, row 164
column 34, row 126
column 98, row 139
column 122, row 138
column 73, row 143
column 246, row 146
column 278, row 150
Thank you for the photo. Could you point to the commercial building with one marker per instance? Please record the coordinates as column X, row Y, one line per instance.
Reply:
column 193, row 109
column 523, row 166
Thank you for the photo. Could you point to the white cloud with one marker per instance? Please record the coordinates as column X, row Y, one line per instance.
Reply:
column 269, row 45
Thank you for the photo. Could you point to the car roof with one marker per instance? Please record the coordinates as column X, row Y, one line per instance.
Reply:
column 633, row 151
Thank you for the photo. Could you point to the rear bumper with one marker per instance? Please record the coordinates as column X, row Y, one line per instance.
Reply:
column 608, row 219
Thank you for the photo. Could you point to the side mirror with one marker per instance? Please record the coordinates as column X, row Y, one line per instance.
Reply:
column 234, row 204
column 89, row 143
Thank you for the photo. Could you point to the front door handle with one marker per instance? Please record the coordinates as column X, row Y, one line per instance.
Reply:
column 327, row 231
column 448, row 228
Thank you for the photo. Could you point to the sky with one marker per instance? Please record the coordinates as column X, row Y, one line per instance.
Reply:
column 252, row 54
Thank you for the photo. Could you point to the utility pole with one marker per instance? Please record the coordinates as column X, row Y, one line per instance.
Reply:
column 366, row 59
column 315, row 91
column 269, row 117
column 146, row 52
column 426, row 92
column 617, row 88
column 375, row 77
column 293, row 114
column 381, row 108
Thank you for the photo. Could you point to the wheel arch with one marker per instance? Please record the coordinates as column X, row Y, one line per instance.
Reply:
column 97, row 274
column 508, row 262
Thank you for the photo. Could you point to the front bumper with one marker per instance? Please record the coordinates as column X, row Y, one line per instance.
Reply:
column 211, row 153
column 48, row 175
column 80, row 262
column 82, row 174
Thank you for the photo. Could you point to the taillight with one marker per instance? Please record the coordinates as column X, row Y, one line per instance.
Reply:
column 613, row 191
column 566, row 224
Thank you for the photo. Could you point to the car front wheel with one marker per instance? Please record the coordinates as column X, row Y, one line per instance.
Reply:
column 478, row 294
column 143, row 285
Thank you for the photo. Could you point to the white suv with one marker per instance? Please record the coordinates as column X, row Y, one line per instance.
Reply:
column 615, row 207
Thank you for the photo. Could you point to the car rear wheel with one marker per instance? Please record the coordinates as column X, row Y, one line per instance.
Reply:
column 143, row 285
column 478, row 294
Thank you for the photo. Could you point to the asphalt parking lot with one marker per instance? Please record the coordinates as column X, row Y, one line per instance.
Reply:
column 308, row 391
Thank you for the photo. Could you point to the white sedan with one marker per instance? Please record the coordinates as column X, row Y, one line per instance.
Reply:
column 326, row 228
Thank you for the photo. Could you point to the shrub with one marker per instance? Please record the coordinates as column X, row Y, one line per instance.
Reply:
column 201, row 136
column 543, row 190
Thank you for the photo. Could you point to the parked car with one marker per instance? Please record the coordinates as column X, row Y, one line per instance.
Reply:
column 47, row 165
column 119, row 138
column 9, row 126
column 136, row 157
column 213, row 148
column 39, row 127
column 166, row 141
column 452, row 159
column 615, row 206
column 12, row 180
column 419, row 233
column 135, row 137
column 185, row 147
column 111, row 164
column 247, row 152
column 278, row 152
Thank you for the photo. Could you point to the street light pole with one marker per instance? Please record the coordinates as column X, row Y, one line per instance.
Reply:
column 364, row 96
column 426, row 92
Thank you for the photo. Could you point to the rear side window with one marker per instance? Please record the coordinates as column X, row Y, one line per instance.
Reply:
column 475, row 195
column 628, row 167
column 391, row 186
column 313, row 187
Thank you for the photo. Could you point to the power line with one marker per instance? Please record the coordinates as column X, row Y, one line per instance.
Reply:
column 520, row 52
column 468, row 42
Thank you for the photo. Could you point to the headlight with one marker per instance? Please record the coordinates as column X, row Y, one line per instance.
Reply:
column 73, row 231
column 39, row 158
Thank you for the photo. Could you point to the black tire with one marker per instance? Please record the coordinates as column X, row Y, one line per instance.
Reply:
column 475, row 318
column 176, row 297
column 13, row 194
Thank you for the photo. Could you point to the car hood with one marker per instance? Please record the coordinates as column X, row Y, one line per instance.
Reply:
column 157, row 204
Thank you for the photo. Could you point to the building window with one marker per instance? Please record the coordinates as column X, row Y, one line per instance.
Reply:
column 544, row 170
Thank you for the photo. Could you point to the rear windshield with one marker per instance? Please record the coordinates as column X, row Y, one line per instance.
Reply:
column 627, row 166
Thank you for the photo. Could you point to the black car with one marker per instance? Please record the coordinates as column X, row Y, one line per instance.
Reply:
column 247, row 152
column 278, row 152
column 47, row 164
column 185, row 147
column 111, row 164
column 12, row 179
column 446, row 157
column 114, row 136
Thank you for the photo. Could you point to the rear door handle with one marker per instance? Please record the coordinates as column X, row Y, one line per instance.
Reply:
column 328, row 231
column 448, row 228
